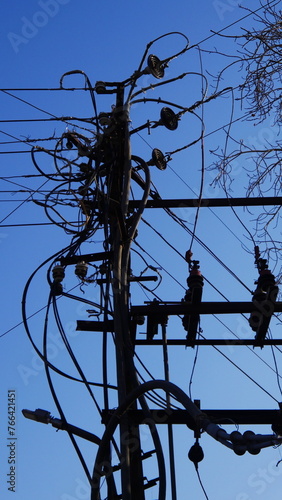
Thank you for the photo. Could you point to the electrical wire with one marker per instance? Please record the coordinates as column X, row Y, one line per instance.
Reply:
column 156, row 398
column 123, row 263
column 193, row 371
column 156, row 262
column 139, row 72
column 72, row 356
column 55, row 398
column 195, row 413
column 28, row 103
column 209, row 208
column 219, row 351
column 169, row 426
column 242, row 371
column 224, row 183
column 248, row 347
column 278, row 376
column 44, row 89
column 214, row 33
column 201, row 484
column 25, row 321
column 21, row 204
column 203, row 337
column 34, row 224
column 202, row 162
column 171, row 80
column 59, row 118
column 52, row 116
column 202, row 244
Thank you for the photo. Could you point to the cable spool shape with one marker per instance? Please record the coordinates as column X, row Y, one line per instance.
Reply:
column 155, row 66
column 252, row 444
column 169, row 118
column 196, row 454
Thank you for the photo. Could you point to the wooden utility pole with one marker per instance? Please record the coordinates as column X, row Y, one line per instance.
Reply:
column 118, row 189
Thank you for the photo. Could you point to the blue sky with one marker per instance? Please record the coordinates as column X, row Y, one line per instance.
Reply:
column 40, row 42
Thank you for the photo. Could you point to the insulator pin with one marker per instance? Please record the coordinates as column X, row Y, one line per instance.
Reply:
column 58, row 273
column 81, row 270
column 264, row 299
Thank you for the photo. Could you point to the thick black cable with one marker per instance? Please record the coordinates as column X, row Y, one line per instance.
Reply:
column 169, row 425
column 195, row 413
column 25, row 321
column 138, row 73
column 171, row 80
column 71, row 354
column 202, row 164
column 89, row 88
column 55, row 398
column 105, row 345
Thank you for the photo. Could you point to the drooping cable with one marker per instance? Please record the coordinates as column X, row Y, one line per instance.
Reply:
column 72, row 356
column 194, row 412
column 138, row 73
column 55, row 398
column 26, row 318
column 202, row 161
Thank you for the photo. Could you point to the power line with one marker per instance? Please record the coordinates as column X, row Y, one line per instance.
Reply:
column 57, row 118
column 44, row 89
column 203, row 245
column 34, row 224
column 22, row 203
column 242, row 371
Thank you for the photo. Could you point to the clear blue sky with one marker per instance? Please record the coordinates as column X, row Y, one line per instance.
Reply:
column 41, row 41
